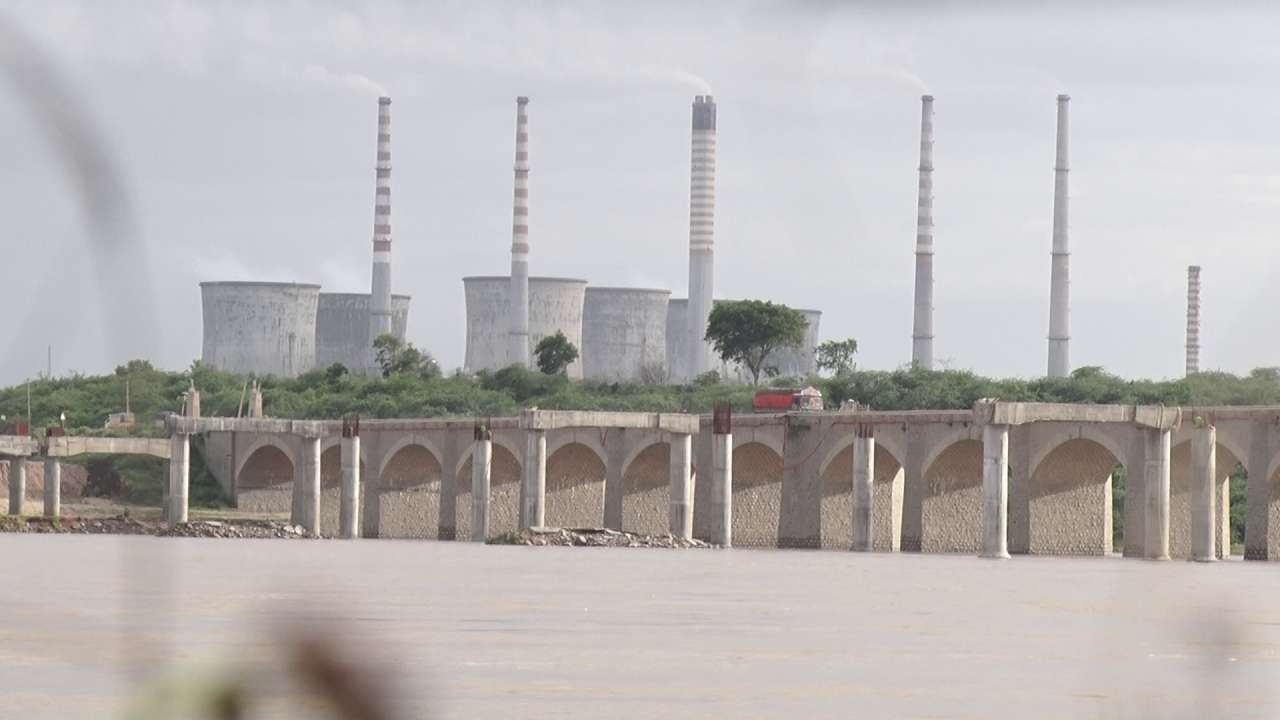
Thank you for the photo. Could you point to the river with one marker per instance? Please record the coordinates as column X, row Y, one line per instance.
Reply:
column 88, row 624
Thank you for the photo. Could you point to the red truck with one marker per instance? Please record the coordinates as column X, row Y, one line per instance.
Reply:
column 778, row 401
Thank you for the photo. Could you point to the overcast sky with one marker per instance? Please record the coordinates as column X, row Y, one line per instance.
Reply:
column 244, row 135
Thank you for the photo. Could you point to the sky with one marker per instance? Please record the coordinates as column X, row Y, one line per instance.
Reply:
column 240, row 142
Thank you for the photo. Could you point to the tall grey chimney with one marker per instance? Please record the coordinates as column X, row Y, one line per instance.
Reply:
column 1193, row 319
column 380, row 291
column 1060, row 281
column 922, row 328
column 518, row 337
column 702, row 211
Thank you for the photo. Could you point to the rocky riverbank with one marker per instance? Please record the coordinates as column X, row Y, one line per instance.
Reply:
column 126, row 525
column 593, row 537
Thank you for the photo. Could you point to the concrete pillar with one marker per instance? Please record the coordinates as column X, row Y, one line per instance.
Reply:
column 349, row 503
column 193, row 403
column 722, row 488
column 1204, row 441
column 534, row 501
column 1155, row 478
column 309, row 496
column 864, row 473
column 682, row 485
column 17, row 484
column 52, row 487
column 481, row 475
column 995, row 491
column 179, row 477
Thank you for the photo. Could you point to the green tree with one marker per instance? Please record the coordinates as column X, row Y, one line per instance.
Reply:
column 837, row 356
column 395, row 357
column 554, row 353
column 746, row 331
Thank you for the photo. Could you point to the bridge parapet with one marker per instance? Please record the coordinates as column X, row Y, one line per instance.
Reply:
column 1156, row 417
column 68, row 446
column 18, row 445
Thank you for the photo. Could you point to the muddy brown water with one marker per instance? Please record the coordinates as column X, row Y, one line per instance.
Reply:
column 89, row 624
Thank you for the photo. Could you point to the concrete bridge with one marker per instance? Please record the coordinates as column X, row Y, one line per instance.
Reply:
column 1000, row 478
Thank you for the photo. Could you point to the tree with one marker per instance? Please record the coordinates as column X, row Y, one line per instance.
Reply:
column 554, row 353
column 837, row 356
column 394, row 356
column 746, row 331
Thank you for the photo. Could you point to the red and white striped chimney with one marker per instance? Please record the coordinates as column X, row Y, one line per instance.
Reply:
column 1193, row 320
column 702, row 220
column 380, row 293
column 518, row 337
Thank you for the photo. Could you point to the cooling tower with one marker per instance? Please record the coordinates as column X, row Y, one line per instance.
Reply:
column 803, row 360
column 624, row 334
column 678, row 339
column 260, row 327
column 343, row 327
column 554, row 304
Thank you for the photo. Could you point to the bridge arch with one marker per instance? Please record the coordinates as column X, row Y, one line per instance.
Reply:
column 575, row 486
column 646, row 489
column 1070, row 495
column 757, row 494
column 951, row 512
column 408, row 490
column 265, row 475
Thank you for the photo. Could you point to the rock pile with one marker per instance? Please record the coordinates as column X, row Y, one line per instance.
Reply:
column 593, row 537
column 125, row 525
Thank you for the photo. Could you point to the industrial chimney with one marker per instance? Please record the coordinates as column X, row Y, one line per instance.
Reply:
column 702, row 211
column 518, row 337
column 380, row 295
column 1060, row 280
column 922, row 328
column 1193, row 319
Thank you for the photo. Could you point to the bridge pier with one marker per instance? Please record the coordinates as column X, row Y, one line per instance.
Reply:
column 995, row 491
column 349, row 500
column 1155, row 479
column 52, row 487
column 179, row 477
column 681, row 485
column 17, row 484
column 722, row 488
column 481, row 476
column 1204, row 442
column 533, row 502
column 864, row 473
column 307, row 490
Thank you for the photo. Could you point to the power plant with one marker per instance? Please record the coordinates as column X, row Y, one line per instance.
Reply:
column 622, row 334
column 287, row 329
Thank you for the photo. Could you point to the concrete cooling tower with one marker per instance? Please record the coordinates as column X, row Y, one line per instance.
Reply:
column 790, row 363
column 624, row 334
column 678, row 339
column 554, row 304
column 343, row 328
column 803, row 360
column 263, row 327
